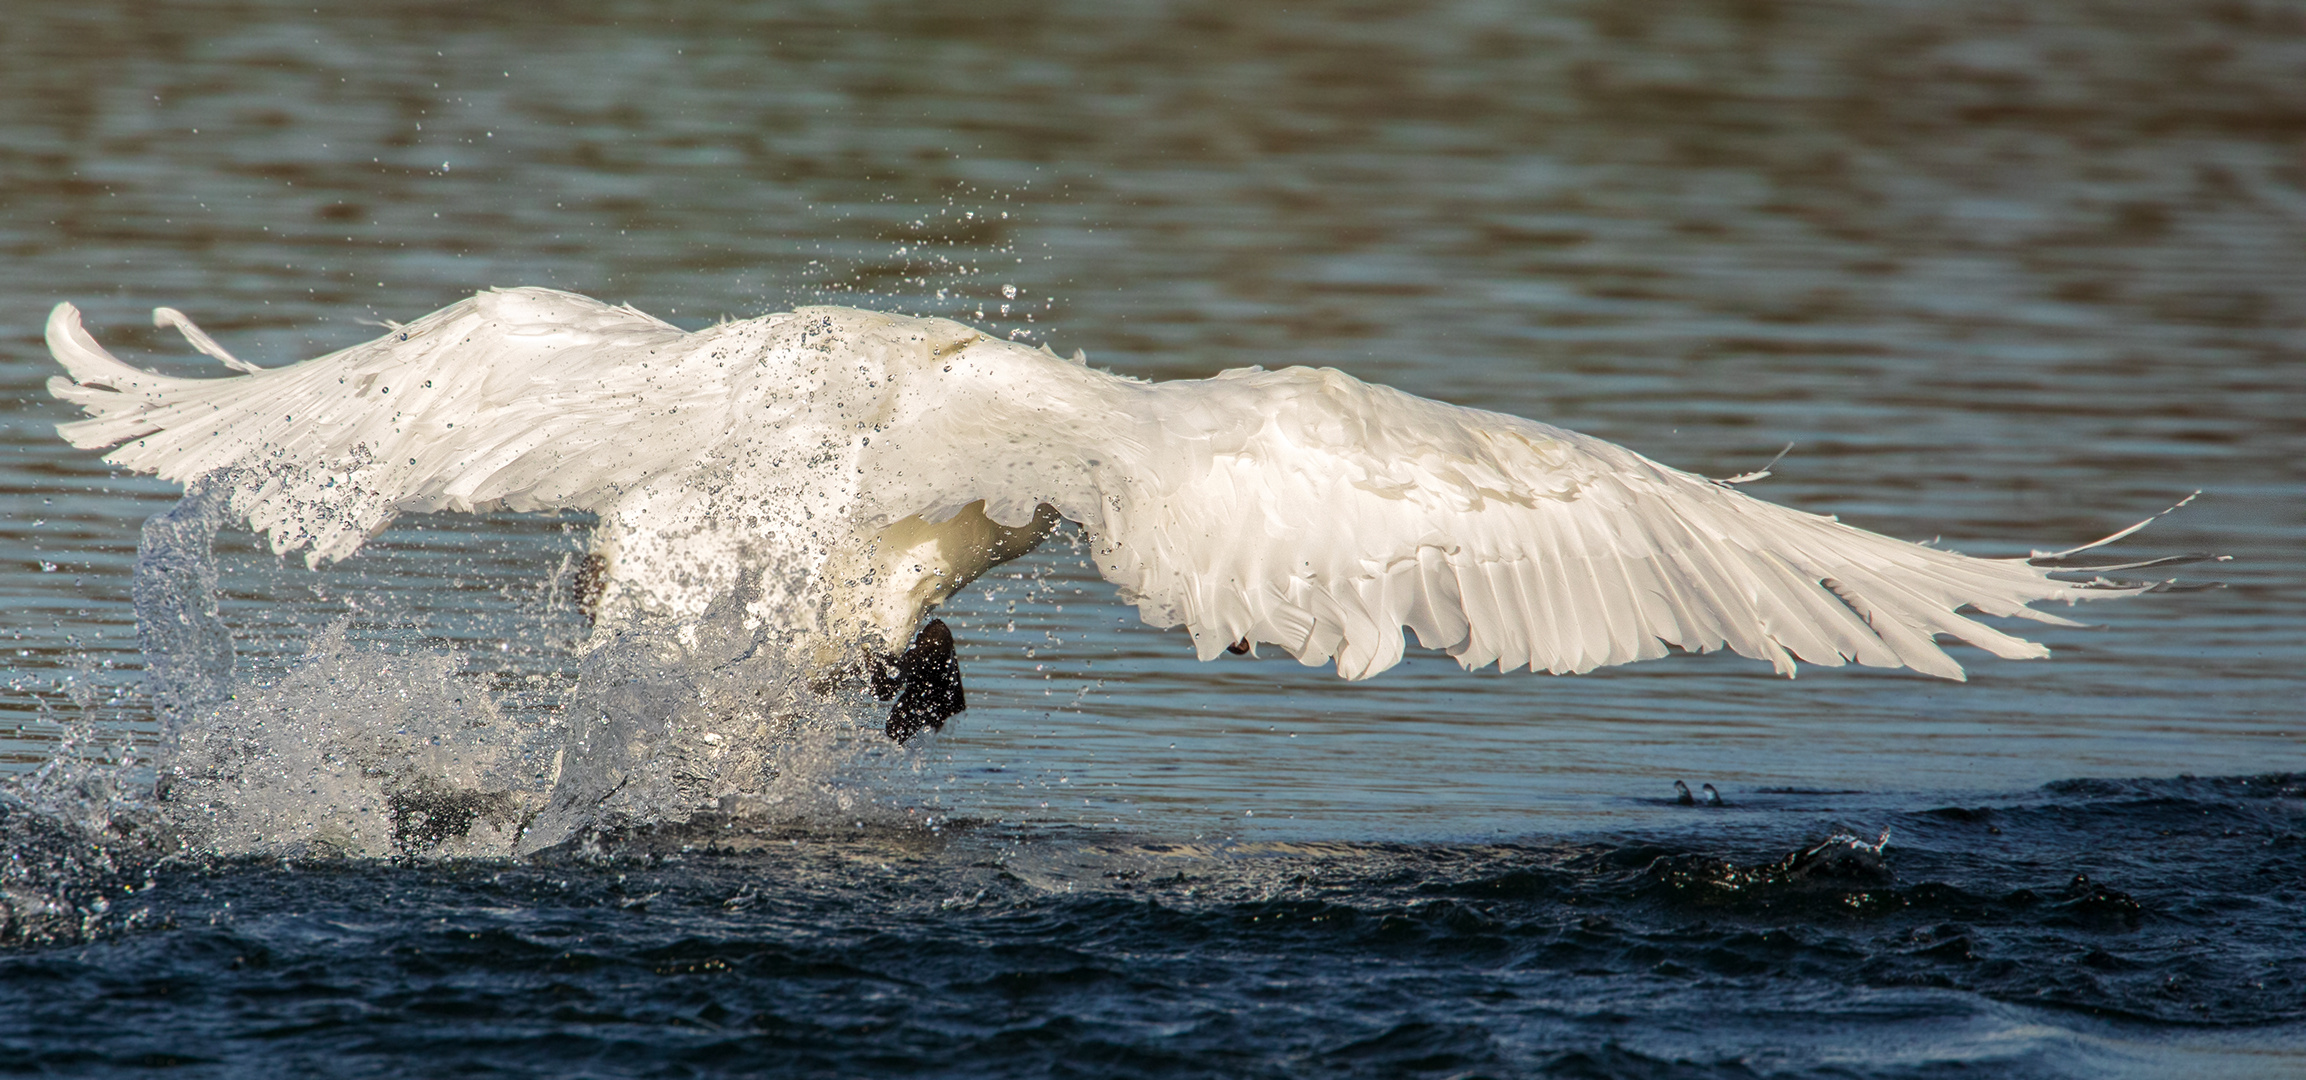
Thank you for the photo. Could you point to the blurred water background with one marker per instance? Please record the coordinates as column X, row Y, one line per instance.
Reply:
column 2012, row 275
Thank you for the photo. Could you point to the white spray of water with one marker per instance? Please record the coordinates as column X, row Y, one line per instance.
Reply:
column 358, row 752
column 365, row 751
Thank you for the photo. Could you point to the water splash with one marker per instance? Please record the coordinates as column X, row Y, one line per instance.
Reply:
column 716, row 716
column 358, row 749
column 78, row 835
column 188, row 653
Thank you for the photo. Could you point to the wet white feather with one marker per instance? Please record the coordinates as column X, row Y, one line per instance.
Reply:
column 1300, row 508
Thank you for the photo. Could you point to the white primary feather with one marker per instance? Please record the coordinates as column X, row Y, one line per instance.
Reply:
column 1300, row 508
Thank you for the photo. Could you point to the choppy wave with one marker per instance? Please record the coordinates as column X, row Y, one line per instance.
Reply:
column 2142, row 927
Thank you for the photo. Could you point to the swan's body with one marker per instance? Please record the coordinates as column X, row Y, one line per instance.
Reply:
column 841, row 472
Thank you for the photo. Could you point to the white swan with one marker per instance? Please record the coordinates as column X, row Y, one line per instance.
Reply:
column 842, row 472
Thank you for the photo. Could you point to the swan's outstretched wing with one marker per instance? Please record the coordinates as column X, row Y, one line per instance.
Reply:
column 1300, row 508
column 1313, row 511
column 523, row 399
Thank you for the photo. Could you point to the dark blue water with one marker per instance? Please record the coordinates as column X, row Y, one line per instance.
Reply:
column 2010, row 275
column 2091, row 928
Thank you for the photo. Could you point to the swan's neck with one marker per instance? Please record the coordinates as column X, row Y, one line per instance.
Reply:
column 884, row 588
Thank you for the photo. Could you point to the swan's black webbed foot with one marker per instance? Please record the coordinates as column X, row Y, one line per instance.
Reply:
column 926, row 682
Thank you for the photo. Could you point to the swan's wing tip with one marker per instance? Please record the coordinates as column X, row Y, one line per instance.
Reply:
column 83, row 357
column 169, row 318
column 65, row 334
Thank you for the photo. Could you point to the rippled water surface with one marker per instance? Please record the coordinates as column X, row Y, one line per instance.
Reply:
column 2012, row 275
